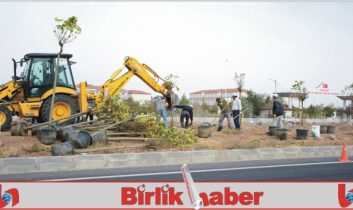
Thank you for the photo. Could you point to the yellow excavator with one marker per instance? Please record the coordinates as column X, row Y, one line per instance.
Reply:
column 29, row 95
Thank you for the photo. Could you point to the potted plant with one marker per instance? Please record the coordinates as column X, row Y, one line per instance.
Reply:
column 301, row 94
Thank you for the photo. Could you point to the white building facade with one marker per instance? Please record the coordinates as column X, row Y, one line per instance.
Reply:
column 136, row 95
column 209, row 96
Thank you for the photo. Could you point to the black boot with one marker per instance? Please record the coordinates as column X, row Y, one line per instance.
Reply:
column 219, row 129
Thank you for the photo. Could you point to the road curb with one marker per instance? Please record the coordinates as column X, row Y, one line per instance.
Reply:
column 118, row 160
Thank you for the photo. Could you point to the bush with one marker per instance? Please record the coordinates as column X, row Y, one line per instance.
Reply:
column 173, row 136
column 140, row 108
column 114, row 108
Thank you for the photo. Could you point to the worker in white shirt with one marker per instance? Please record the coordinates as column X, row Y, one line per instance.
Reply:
column 236, row 109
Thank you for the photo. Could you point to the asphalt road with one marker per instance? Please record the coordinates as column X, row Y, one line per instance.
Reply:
column 309, row 169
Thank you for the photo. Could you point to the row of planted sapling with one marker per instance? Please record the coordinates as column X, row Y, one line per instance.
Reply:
column 302, row 132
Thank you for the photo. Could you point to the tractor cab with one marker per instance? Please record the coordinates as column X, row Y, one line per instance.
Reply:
column 38, row 73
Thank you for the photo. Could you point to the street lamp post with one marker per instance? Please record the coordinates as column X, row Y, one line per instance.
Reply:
column 275, row 84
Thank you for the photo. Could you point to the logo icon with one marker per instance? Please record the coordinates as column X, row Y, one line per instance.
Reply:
column 344, row 199
column 9, row 196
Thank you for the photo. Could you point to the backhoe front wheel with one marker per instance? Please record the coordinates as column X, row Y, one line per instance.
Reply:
column 64, row 106
column 5, row 118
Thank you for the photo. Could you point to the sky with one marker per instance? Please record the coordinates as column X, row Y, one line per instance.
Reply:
column 203, row 43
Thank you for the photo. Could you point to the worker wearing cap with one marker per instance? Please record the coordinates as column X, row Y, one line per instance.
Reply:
column 236, row 109
column 277, row 111
column 187, row 113
column 224, row 112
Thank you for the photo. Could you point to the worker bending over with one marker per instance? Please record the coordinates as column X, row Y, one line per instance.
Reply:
column 224, row 112
column 187, row 113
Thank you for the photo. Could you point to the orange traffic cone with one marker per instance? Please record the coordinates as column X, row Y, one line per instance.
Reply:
column 344, row 155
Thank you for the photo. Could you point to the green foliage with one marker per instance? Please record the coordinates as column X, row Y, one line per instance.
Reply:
column 114, row 108
column 296, row 112
column 246, row 104
column 140, row 108
column 319, row 111
column 298, row 87
column 328, row 110
column 313, row 111
column 184, row 100
column 38, row 147
column 212, row 109
column 179, row 138
column 205, row 110
column 268, row 100
column 66, row 30
column 255, row 102
column 170, row 82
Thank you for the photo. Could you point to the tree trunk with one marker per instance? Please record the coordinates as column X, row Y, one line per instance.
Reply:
column 54, row 85
column 302, row 114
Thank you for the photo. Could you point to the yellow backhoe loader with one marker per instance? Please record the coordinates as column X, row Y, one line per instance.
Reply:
column 29, row 95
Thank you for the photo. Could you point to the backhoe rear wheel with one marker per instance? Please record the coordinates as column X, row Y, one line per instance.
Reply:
column 64, row 106
column 5, row 118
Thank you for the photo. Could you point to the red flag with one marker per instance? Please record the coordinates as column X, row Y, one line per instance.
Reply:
column 325, row 85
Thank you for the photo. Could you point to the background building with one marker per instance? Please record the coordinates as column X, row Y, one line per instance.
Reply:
column 209, row 96
column 136, row 95
column 266, row 111
column 90, row 88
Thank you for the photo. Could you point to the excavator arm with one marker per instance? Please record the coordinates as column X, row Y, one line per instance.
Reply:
column 116, row 83
column 144, row 73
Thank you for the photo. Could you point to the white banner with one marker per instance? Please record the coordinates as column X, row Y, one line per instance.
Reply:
column 174, row 195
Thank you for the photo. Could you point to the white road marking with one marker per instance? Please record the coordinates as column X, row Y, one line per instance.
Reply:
column 194, row 171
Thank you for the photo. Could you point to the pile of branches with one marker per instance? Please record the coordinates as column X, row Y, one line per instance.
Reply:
column 181, row 138
column 118, row 110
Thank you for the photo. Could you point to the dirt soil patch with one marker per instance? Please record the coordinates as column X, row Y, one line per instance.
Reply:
column 249, row 137
column 254, row 136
